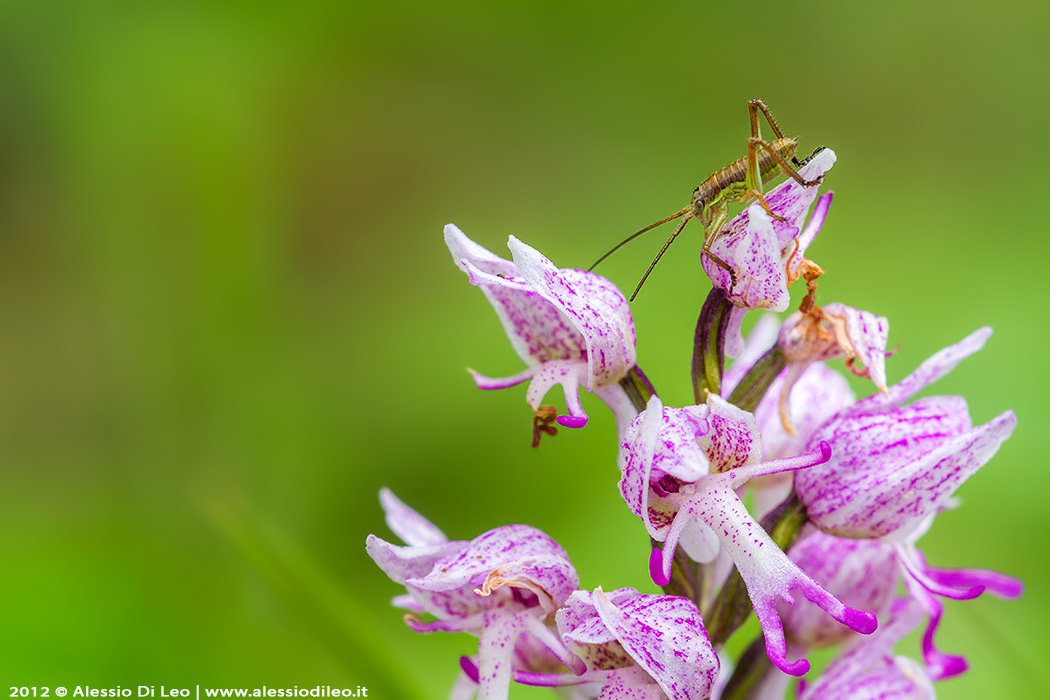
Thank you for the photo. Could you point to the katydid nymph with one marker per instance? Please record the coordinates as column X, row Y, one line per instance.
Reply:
column 738, row 182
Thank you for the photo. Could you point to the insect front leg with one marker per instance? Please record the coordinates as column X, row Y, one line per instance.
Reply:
column 711, row 232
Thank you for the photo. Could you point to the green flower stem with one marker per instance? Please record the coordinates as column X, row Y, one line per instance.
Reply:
column 752, row 667
column 639, row 389
column 756, row 382
column 709, row 344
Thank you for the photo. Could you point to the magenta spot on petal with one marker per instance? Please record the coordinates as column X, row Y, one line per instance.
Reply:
column 825, row 451
column 572, row 421
column 469, row 668
column 656, row 568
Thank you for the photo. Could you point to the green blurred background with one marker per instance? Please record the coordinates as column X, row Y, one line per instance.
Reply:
column 229, row 317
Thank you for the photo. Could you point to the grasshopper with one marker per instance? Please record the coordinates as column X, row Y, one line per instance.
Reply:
column 739, row 182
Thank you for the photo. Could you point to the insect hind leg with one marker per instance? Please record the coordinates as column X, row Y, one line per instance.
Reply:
column 785, row 166
column 753, row 107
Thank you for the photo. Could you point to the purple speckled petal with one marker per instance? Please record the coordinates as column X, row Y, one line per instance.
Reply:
column 637, row 450
column 403, row 563
column 630, row 683
column 410, row 526
column 518, row 557
column 536, row 329
column 498, row 637
column 759, row 248
column 665, row 636
column 862, row 573
column 587, row 636
column 867, row 671
column 890, row 470
column 571, row 327
column 753, row 251
column 791, row 201
column 593, row 305
column 733, row 439
column 868, row 334
column 579, row 623
column 830, row 332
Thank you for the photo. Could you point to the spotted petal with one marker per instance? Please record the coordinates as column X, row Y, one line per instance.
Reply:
column 890, row 470
column 406, row 523
column 665, row 636
column 519, row 557
column 592, row 304
column 760, row 249
column 571, row 327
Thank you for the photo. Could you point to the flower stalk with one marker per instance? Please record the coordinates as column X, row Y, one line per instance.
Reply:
column 709, row 343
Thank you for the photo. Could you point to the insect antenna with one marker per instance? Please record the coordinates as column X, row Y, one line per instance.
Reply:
column 659, row 255
column 635, row 235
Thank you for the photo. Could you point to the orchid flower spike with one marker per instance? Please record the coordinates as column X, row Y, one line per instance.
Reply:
column 635, row 646
column 680, row 469
column 503, row 586
column 571, row 327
